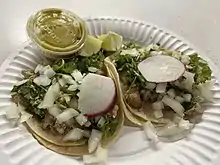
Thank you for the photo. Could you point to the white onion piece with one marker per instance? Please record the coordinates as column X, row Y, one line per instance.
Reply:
column 101, row 122
column 189, row 81
column 69, row 79
column 88, row 124
column 158, row 105
column 187, row 97
column 161, row 88
column 24, row 115
column 73, row 103
column 62, row 81
column 179, row 99
column 49, row 72
column 81, row 119
column 99, row 157
column 73, row 135
column 54, row 111
column 94, row 140
column 86, row 133
column 150, row 131
column 171, row 93
column 161, row 69
column 158, row 114
column 42, row 80
column 66, row 115
column 73, row 87
column 185, row 124
column 39, row 69
column 77, row 75
column 205, row 90
column 185, row 59
column 50, row 96
column 151, row 85
column 172, row 132
column 175, row 105
column 97, row 94
column 12, row 112
column 92, row 69
column 19, row 83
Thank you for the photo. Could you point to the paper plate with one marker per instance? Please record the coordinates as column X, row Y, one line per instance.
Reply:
column 198, row 148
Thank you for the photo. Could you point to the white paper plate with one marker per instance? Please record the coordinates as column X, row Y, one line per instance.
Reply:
column 199, row 148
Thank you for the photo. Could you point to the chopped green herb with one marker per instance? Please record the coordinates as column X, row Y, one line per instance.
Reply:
column 200, row 68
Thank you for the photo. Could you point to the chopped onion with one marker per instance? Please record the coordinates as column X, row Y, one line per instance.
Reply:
column 99, row 157
column 150, row 131
column 189, row 81
column 24, row 115
column 81, row 119
column 151, row 85
column 169, row 130
column 187, row 97
column 161, row 88
column 66, row 115
column 12, row 112
column 73, row 135
column 92, row 69
column 158, row 114
column 73, row 87
column 77, row 75
column 185, row 59
column 62, row 81
column 49, row 72
column 69, row 79
column 101, row 122
column 176, row 55
column 42, row 80
column 73, row 103
column 67, row 98
column 205, row 90
column 88, row 124
column 158, row 105
column 19, row 83
column 132, row 52
column 54, row 111
column 179, row 99
column 185, row 124
column 86, row 133
column 39, row 69
column 94, row 140
column 171, row 93
column 50, row 96
column 175, row 105
column 172, row 132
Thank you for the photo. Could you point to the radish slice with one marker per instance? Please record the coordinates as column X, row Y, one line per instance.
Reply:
column 97, row 95
column 161, row 69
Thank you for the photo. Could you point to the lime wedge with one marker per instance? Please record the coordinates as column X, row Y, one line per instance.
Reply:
column 111, row 41
column 92, row 46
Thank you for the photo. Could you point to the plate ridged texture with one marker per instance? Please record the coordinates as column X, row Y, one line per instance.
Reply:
column 199, row 148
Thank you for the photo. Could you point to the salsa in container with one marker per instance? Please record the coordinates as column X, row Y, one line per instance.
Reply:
column 56, row 32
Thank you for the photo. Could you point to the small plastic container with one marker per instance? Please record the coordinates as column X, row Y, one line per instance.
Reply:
column 57, row 33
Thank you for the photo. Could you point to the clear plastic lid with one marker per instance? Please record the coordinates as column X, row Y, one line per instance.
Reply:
column 57, row 30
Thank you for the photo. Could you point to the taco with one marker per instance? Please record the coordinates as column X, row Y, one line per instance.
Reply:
column 164, row 87
column 72, row 105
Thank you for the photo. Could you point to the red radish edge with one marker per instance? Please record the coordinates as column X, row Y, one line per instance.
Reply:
column 108, row 109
